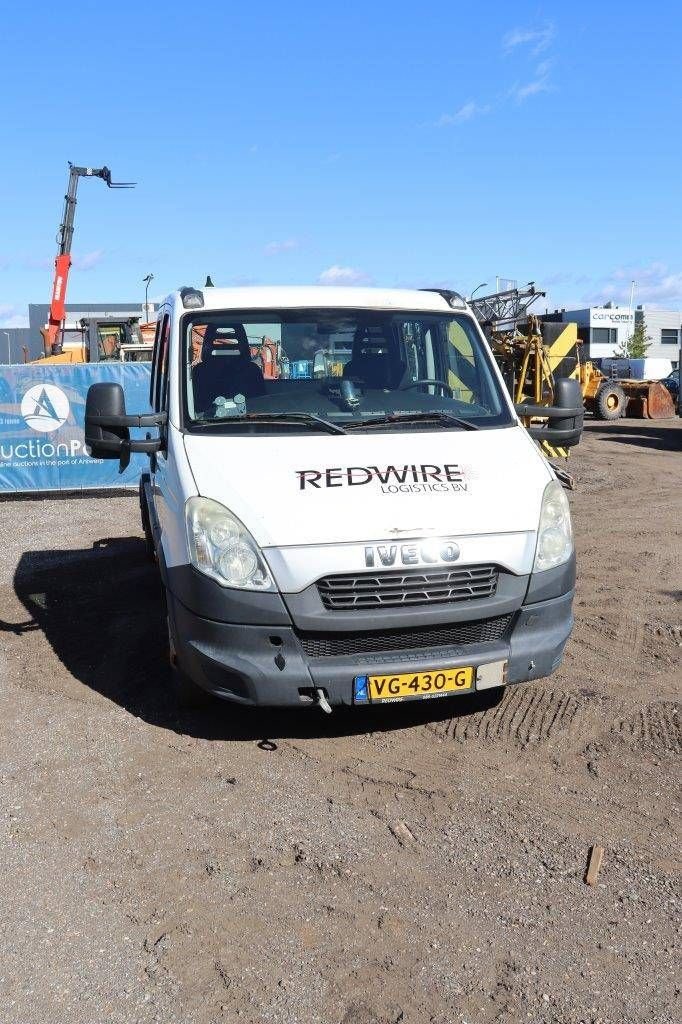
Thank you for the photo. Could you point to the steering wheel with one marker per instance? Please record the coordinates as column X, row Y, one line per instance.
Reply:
column 428, row 380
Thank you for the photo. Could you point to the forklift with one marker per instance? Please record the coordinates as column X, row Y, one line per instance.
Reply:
column 109, row 338
column 101, row 339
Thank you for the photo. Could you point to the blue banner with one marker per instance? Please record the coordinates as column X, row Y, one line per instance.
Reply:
column 42, row 409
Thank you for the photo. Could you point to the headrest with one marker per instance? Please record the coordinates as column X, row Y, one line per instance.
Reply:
column 230, row 338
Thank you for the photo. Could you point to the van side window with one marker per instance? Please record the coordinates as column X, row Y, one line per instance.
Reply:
column 155, row 361
column 160, row 373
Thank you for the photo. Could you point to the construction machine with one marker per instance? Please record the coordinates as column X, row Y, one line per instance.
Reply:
column 522, row 357
column 610, row 398
column 109, row 338
column 536, row 354
column 97, row 339
column 525, row 363
column 52, row 342
column 267, row 354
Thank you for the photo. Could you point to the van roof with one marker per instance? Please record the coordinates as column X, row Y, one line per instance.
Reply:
column 321, row 297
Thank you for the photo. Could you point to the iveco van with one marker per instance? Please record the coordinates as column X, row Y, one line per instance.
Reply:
column 343, row 504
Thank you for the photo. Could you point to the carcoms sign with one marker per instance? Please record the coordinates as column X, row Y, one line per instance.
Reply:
column 42, row 446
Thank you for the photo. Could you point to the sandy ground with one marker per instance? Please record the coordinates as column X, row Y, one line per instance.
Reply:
column 412, row 864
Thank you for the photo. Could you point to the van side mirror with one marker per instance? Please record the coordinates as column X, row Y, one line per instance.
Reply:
column 564, row 425
column 107, row 426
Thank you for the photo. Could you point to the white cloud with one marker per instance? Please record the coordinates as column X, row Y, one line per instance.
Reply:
column 343, row 276
column 537, row 38
column 465, row 113
column 540, row 83
column 89, row 261
column 655, row 285
column 273, row 248
column 535, row 41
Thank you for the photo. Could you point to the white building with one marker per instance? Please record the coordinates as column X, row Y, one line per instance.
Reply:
column 664, row 328
column 605, row 329
column 602, row 329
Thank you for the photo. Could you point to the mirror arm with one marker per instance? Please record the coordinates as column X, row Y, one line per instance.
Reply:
column 149, row 446
column 156, row 419
column 550, row 412
column 565, row 436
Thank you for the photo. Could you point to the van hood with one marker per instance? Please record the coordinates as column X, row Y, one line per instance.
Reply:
column 302, row 490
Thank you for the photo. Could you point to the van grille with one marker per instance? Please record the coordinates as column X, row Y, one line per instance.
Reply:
column 332, row 644
column 413, row 586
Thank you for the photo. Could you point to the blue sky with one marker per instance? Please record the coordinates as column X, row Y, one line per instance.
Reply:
column 387, row 143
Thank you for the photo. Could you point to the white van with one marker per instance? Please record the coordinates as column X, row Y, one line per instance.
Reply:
column 343, row 503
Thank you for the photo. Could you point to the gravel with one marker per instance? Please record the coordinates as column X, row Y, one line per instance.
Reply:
column 412, row 864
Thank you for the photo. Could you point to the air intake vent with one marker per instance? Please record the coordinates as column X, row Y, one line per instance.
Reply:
column 333, row 645
column 407, row 587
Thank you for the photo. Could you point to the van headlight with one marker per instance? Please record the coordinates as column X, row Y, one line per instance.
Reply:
column 222, row 548
column 555, row 533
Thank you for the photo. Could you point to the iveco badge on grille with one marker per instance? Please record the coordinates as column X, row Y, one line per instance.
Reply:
column 429, row 552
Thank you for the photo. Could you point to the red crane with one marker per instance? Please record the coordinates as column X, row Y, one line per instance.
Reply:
column 62, row 263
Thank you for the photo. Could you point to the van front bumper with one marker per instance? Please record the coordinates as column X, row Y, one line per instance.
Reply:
column 268, row 665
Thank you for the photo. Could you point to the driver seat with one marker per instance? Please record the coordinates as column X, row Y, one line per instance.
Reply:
column 374, row 361
column 225, row 368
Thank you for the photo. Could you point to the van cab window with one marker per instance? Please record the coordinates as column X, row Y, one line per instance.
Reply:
column 344, row 366
column 159, row 377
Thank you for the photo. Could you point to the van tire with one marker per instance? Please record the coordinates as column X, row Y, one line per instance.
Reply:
column 610, row 402
column 186, row 694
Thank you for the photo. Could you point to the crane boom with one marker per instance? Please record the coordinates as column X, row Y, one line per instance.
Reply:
column 62, row 263
column 502, row 311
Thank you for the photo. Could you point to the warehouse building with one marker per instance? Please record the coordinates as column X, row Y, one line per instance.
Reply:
column 664, row 328
column 602, row 329
column 605, row 329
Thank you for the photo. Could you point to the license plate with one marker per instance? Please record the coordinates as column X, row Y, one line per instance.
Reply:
column 413, row 684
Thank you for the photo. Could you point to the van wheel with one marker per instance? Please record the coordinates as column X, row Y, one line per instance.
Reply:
column 186, row 694
column 610, row 402
column 147, row 526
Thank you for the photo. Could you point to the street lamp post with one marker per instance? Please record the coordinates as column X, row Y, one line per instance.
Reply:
column 631, row 326
column 481, row 285
column 9, row 352
column 147, row 281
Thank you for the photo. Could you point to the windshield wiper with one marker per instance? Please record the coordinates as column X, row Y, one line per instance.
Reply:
column 305, row 418
column 444, row 418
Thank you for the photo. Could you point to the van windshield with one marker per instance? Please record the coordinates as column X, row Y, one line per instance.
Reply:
column 296, row 369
